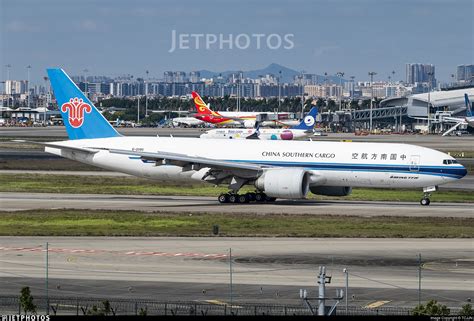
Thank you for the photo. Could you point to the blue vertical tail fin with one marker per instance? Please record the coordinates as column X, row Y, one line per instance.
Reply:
column 468, row 106
column 81, row 118
column 308, row 121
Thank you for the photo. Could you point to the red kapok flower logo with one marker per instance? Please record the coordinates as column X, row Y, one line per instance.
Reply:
column 76, row 107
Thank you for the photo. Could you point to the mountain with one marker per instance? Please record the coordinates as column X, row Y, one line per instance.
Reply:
column 287, row 74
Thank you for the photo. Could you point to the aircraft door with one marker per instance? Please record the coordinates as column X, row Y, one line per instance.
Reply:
column 414, row 163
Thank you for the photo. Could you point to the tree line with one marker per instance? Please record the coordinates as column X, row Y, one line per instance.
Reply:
column 226, row 103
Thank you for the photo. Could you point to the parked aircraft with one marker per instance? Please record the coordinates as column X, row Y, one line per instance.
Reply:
column 277, row 169
column 304, row 129
column 186, row 121
column 241, row 118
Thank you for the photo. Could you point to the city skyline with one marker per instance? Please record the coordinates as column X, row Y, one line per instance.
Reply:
column 116, row 37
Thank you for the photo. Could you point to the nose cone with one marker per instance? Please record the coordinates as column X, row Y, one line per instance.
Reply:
column 463, row 171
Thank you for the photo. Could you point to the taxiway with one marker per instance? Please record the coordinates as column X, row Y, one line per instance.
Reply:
column 199, row 204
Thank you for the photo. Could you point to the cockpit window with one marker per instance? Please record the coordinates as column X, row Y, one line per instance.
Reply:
column 450, row 161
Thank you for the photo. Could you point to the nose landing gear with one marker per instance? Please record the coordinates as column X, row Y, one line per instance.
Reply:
column 425, row 201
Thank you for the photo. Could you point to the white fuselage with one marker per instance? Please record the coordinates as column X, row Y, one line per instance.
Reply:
column 332, row 163
column 250, row 117
column 264, row 133
column 188, row 121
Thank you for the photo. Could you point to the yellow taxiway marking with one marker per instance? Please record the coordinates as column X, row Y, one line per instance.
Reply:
column 222, row 303
column 376, row 304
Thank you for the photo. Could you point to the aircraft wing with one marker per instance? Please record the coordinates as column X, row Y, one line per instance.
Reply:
column 218, row 169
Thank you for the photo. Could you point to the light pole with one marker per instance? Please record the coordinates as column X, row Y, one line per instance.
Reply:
column 419, row 278
column 47, row 278
column 302, row 93
column 237, row 81
column 347, row 287
column 138, row 110
column 28, row 86
column 85, row 82
column 4, row 82
column 45, row 78
column 8, row 71
column 340, row 74
column 146, row 95
column 430, row 77
column 240, row 87
column 371, row 74
column 279, row 91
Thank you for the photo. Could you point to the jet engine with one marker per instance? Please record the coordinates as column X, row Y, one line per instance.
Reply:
column 289, row 183
column 286, row 135
column 331, row 190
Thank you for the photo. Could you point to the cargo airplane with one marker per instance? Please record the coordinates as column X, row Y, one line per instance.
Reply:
column 240, row 118
column 303, row 130
column 277, row 169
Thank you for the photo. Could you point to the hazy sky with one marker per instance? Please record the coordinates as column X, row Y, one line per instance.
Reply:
column 114, row 37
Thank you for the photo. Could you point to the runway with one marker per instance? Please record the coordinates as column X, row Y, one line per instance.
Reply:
column 198, row 204
column 264, row 269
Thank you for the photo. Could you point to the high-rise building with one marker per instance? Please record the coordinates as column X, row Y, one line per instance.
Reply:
column 179, row 76
column 465, row 73
column 168, row 76
column 194, row 76
column 13, row 87
column 420, row 73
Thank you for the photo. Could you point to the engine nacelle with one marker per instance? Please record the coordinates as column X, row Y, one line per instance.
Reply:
column 290, row 183
column 249, row 123
column 331, row 190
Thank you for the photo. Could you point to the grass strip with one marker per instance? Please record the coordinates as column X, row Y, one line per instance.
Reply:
column 45, row 183
column 63, row 222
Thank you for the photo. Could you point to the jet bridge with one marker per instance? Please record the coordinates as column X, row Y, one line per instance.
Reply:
column 379, row 113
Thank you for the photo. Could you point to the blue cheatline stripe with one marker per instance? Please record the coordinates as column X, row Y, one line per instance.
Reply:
column 443, row 171
column 448, row 171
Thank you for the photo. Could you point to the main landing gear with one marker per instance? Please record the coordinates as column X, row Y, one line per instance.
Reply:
column 245, row 198
column 425, row 201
